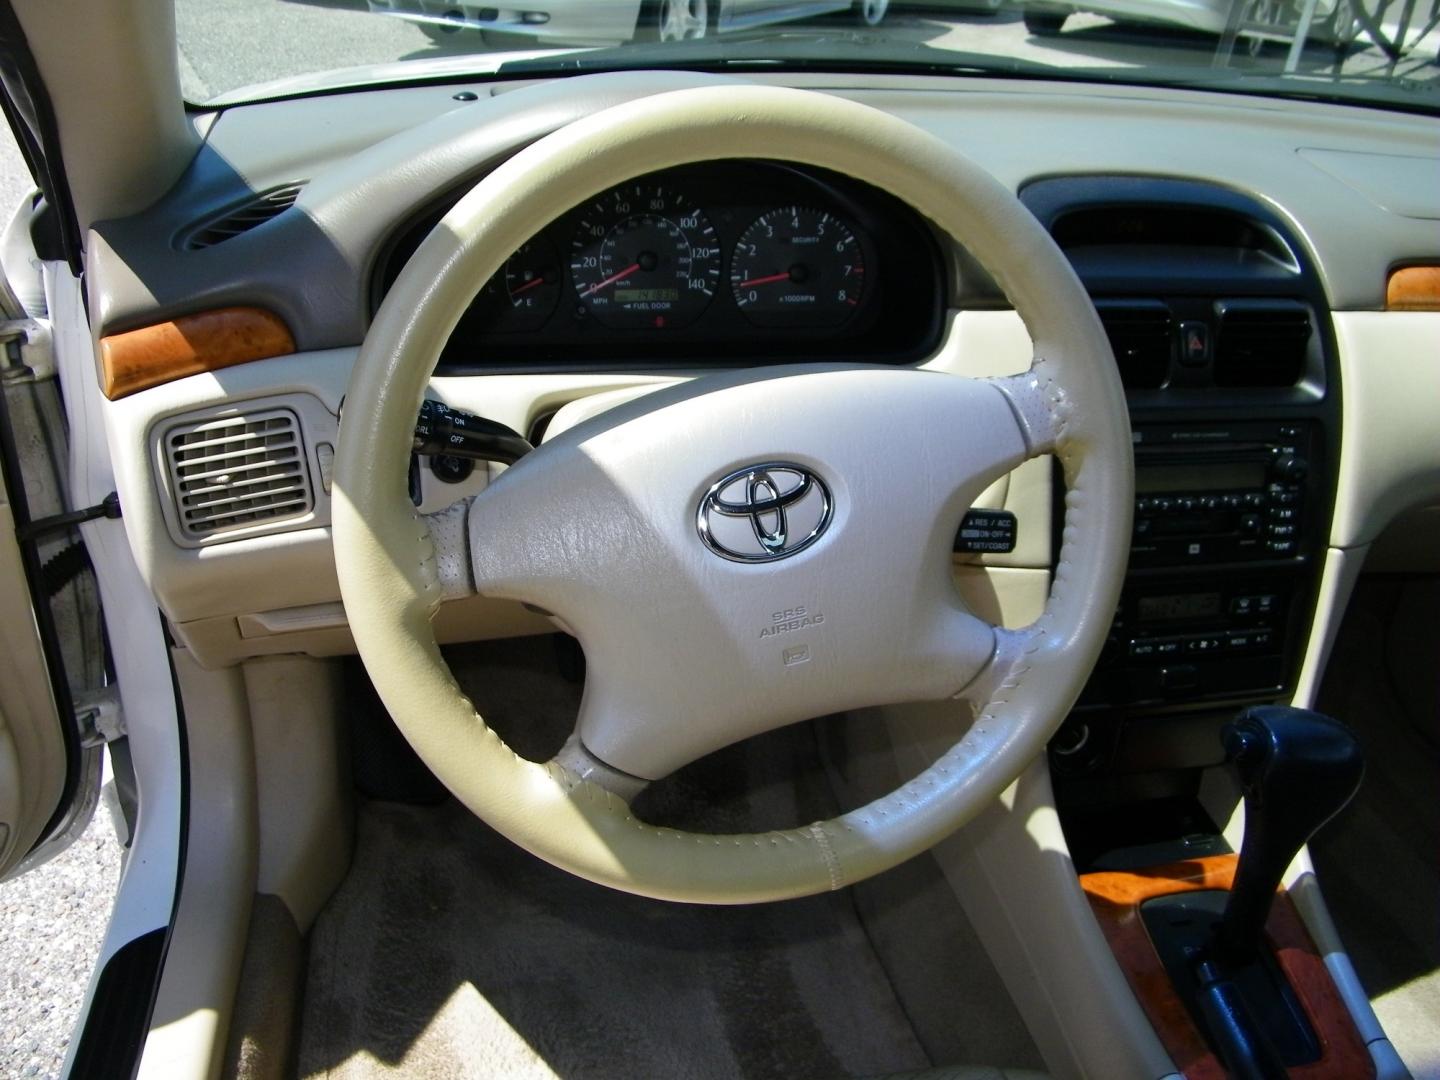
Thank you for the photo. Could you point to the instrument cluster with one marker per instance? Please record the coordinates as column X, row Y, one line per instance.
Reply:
column 718, row 263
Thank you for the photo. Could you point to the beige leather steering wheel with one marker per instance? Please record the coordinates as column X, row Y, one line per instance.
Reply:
column 689, row 650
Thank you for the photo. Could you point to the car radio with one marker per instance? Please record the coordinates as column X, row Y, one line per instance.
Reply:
column 1219, row 494
column 1218, row 563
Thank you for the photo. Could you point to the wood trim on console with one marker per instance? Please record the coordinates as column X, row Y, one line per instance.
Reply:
column 1116, row 896
column 1413, row 288
column 206, row 341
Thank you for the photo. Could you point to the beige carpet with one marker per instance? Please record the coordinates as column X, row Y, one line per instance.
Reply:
column 449, row 952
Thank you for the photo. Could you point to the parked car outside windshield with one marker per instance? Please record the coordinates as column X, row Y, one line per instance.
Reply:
column 1376, row 52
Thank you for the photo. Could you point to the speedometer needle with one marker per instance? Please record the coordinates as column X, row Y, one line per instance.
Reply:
column 785, row 276
column 611, row 280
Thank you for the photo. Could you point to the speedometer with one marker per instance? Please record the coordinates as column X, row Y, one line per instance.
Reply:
column 797, row 266
column 644, row 256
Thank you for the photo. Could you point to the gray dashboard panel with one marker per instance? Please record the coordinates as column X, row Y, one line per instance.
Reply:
column 375, row 158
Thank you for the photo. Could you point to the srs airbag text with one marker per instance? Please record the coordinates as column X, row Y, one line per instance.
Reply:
column 796, row 618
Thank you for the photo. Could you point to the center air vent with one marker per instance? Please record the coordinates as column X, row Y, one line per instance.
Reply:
column 237, row 472
column 244, row 217
column 1261, row 342
column 1140, row 337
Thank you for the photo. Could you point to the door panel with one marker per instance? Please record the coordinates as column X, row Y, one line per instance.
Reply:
column 32, row 749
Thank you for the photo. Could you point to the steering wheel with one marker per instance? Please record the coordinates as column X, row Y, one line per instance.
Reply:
column 746, row 550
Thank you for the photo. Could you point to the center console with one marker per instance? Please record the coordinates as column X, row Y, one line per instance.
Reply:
column 1220, row 329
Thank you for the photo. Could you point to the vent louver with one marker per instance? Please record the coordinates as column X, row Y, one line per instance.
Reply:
column 243, row 218
column 1261, row 342
column 1140, row 337
column 238, row 472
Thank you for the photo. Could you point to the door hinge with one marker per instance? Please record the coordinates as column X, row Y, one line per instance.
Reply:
column 99, row 717
column 27, row 352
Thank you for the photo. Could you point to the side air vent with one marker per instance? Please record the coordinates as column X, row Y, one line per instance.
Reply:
column 244, row 217
column 1261, row 342
column 1140, row 335
column 237, row 472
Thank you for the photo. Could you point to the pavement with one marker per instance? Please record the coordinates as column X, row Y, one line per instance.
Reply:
column 52, row 922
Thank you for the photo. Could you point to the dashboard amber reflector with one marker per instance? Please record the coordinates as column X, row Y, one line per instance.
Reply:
column 1414, row 288
column 207, row 341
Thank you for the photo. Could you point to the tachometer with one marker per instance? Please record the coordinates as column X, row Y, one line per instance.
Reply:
column 644, row 256
column 797, row 266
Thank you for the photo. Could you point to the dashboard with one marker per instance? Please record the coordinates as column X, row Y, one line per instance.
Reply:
column 1272, row 246
column 724, row 262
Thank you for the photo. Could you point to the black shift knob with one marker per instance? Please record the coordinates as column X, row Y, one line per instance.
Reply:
column 1297, row 769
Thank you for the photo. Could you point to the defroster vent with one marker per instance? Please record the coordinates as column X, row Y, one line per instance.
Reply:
column 243, row 218
column 238, row 472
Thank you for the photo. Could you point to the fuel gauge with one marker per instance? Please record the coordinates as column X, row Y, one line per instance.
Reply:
column 532, row 284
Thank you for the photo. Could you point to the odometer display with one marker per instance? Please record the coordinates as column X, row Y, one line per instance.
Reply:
column 644, row 256
column 797, row 266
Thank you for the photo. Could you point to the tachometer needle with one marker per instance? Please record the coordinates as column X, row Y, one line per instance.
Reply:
column 766, row 280
column 611, row 280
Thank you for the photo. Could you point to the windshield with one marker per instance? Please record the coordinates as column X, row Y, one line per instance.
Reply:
column 1378, row 52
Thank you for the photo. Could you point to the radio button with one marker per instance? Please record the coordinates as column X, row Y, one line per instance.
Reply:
column 1282, row 513
column 1280, row 530
column 1286, row 498
column 1163, row 505
column 1210, row 502
column 1254, row 498
column 1280, row 547
column 1233, row 502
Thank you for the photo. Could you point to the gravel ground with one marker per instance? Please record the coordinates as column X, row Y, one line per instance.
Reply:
column 52, row 922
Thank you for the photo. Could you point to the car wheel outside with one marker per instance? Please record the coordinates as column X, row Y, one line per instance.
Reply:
column 444, row 32
column 1044, row 23
column 676, row 20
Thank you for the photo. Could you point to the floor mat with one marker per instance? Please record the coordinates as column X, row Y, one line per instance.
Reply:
column 451, row 953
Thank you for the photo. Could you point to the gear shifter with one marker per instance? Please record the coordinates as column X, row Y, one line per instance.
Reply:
column 1297, row 770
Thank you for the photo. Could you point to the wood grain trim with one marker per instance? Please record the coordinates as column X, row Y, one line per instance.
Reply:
column 206, row 341
column 1115, row 897
column 1413, row 288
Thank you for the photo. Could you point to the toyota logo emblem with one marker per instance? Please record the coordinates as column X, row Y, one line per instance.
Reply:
column 764, row 512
